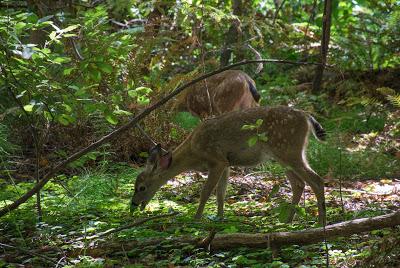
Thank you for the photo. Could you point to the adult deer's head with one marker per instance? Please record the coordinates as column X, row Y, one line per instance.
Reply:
column 152, row 177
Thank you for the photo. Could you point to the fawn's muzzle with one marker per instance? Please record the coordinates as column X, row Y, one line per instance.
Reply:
column 135, row 206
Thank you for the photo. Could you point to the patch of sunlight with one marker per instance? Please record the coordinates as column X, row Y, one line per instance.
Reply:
column 5, row 203
column 157, row 205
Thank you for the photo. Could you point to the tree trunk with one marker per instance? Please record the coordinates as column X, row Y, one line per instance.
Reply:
column 234, row 34
column 326, row 32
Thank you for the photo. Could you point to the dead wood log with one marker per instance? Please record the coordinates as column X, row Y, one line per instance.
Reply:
column 304, row 237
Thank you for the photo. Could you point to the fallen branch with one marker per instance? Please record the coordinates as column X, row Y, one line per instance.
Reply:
column 259, row 240
column 127, row 126
column 304, row 237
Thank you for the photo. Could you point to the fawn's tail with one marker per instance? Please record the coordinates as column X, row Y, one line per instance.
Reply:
column 317, row 129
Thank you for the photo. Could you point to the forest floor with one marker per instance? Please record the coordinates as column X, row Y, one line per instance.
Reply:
column 78, row 208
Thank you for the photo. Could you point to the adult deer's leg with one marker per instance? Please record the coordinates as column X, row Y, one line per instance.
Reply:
column 297, row 185
column 214, row 175
column 317, row 185
column 221, row 190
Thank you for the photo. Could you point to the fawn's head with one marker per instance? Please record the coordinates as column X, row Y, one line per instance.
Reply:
column 151, row 178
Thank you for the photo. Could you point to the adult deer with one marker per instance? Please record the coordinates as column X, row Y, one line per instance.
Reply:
column 219, row 143
column 228, row 91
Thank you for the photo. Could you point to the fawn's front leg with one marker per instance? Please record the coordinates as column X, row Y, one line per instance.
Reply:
column 214, row 175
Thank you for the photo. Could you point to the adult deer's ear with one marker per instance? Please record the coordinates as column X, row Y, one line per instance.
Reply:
column 165, row 161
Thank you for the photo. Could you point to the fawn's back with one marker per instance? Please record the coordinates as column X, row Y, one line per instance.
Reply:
column 223, row 139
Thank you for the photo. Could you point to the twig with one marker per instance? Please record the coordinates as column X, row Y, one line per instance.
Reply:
column 277, row 11
column 130, row 124
column 76, row 50
column 59, row 261
column 258, row 57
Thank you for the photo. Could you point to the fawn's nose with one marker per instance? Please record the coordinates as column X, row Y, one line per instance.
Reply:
column 133, row 207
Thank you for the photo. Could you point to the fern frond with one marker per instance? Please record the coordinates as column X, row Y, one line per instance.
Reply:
column 395, row 100
column 386, row 91
column 369, row 101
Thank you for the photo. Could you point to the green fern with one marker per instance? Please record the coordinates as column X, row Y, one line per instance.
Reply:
column 391, row 95
column 394, row 100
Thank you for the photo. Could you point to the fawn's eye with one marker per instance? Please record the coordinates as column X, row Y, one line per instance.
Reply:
column 142, row 188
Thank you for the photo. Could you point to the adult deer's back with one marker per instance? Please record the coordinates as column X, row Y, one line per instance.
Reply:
column 228, row 91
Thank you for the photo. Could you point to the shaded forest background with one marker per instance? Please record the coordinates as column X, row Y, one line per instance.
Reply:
column 72, row 71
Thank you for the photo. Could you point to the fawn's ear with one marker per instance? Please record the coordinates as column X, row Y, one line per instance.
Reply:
column 157, row 159
column 152, row 160
column 154, row 154
column 165, row 161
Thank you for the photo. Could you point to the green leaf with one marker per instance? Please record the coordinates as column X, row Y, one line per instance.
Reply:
column 121, row 112
column 132, row 93
column 95, row 74
column 262, row 137
column 28, row 108
column 252, row 141
column 61, row 59
column 67, row 108
column 68, row 71
column 52, row 35
column 300, row 211
column 32, row 18
column 259, row 122
column 107, row 68
column 70, row 28
column 284, row 209
column 173, row 133
column 248, row 127
column 143, row 90
column 63, row 119
column 112, row 119
column 274, row 191
column 69, row 35
column 231, row 229
column 143, row 100
column 19, row 26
